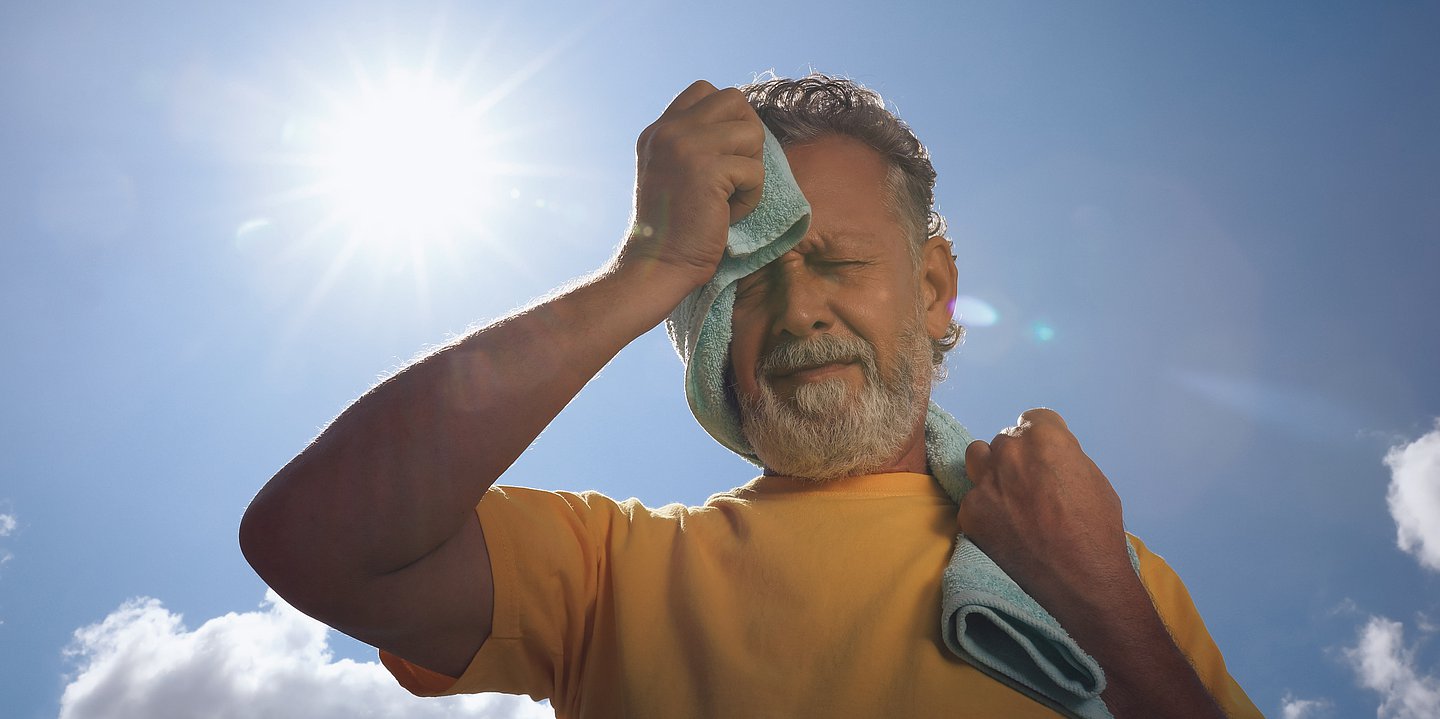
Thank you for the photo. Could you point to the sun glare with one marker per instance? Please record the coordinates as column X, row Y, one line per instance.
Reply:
column 405, row 162
column 400, row 170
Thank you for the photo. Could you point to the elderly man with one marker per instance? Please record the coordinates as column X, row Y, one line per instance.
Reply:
column 811, row 591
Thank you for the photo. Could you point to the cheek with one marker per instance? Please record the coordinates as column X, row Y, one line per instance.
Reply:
column 874, row 312
column 744, row 355
column 882, row 317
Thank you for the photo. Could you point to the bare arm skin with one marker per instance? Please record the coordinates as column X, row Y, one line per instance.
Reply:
column 1047, row 515
column 371, row 529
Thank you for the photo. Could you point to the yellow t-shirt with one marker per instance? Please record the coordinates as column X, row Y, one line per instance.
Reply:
column 783, row 598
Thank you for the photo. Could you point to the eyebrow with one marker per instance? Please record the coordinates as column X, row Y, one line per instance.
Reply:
column 840, row 240
column 845, row 240
column 844, row 234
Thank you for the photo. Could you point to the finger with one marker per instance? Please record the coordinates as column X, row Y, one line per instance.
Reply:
column 727, row 104
column 970, row 515
column 732, row 137
column 747, row 176
column 1007, row 435
column 1042, row 416
column 977, row 461
column 697, row 91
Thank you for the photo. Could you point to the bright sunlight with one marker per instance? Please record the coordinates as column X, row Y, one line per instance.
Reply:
column 405, row 162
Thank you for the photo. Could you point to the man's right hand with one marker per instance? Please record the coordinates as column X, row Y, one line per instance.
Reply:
column 371, row 528
column 698, row 170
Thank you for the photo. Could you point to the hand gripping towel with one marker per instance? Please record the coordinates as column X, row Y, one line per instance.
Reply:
column 986, row 618
column 699, row 326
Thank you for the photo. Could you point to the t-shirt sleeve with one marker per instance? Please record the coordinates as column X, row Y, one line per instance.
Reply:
column 547, row 561
column 1173, row 602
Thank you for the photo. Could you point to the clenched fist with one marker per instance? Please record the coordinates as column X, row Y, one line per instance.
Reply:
column 1044, row 512
column 1049, row 517
column 698, row 169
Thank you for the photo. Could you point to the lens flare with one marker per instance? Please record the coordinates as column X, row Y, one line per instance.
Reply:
column 975, row 312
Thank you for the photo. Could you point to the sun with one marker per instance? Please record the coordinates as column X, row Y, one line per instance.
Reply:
column 405, row 161
column 402, row 164
column 394, row 176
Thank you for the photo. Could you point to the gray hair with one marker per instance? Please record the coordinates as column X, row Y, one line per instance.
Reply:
column 799, row 110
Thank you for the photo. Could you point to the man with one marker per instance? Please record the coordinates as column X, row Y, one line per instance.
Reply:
column 811, row 591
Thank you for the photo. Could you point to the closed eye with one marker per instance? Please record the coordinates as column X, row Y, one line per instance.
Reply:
column 757, row 283
column 838, row 264
column 750, row 286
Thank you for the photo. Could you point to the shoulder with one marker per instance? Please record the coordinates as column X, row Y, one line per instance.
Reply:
column 1176, row 608
column 1166, row 589
column 585, row 507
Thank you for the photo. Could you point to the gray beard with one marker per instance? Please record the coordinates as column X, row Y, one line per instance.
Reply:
column 825, row 432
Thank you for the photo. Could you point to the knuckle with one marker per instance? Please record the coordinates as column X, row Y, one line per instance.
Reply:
column 646, row 136
column 661, row 133
column 1040, row 415
column 669, row 140
column 732, row 94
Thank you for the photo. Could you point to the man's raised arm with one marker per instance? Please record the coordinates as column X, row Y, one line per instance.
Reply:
column 371, row 527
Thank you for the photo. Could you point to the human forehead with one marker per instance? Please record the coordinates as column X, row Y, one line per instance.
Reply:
column 839, row 166
column 850, row 189
column 846, row 241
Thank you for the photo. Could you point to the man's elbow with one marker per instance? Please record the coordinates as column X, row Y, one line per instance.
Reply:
column 259, row 541
column 269, row 543
column 279, row 539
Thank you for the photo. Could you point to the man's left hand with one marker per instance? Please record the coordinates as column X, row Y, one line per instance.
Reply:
column 1043, row 511
column 1049, row 517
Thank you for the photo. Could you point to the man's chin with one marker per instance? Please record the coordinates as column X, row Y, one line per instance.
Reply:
column 812, row 467
column 829, row 428
column 821, row 400
column 807, row 444
column 837, row 424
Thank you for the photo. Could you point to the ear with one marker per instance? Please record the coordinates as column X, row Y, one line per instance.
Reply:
column 938, row 285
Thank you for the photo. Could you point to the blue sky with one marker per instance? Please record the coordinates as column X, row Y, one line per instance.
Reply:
column 1208, row 235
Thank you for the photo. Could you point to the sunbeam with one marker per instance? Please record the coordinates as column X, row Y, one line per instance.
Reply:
column 406, row 167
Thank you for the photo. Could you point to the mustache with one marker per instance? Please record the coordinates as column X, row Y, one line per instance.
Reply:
column 817, row 350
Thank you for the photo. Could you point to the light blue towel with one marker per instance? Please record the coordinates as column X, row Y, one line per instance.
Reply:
column 699, row 326
column 986, row 618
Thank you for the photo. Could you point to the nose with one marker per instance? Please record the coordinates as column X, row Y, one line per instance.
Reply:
column 800, row 300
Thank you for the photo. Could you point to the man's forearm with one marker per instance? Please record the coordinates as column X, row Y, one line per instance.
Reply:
column 395, row 475
column 1146, row 673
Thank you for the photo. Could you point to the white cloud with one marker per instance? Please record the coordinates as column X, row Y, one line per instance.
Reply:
column 1414, row 496
column 1424, row 624
column 141, row 662
column 8, row 523
column 1293, row 708
column 1383, row 663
